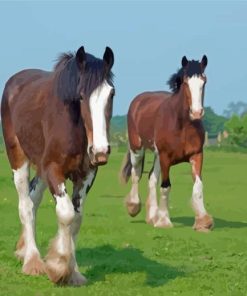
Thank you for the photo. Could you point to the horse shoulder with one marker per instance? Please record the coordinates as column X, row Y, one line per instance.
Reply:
column 194, row 139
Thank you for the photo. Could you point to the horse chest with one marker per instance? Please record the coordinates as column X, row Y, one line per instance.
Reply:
column 193, row 142
column 72, row 163
column 184, row 145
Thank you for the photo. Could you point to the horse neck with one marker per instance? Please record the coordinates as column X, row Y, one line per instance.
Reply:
column 181, row 105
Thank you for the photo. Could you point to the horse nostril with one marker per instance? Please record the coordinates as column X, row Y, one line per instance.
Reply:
column 108, row 149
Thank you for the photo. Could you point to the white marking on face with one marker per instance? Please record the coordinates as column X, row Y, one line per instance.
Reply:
column 97, row 102
column 196, row 89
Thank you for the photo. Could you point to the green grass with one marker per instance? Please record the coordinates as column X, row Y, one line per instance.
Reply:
column 124, row 256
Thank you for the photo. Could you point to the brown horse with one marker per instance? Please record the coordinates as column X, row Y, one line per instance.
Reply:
column 59, row 122
column 170, row 125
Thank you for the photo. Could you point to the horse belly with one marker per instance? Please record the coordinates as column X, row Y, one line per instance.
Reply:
column 32, row 143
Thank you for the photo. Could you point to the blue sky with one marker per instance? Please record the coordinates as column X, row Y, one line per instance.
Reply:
column 148, row 38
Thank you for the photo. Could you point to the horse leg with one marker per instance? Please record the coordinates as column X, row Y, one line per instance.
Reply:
column 26, row 247
column 36, row 189
column 132, row 201
column 80, row 190
column 164, row 218
column 203, row 221
column 60, row 259
column 151, row 203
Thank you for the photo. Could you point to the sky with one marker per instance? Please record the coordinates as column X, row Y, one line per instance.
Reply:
column 148, row 38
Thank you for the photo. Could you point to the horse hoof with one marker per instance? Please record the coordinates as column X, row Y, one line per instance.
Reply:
column 133, row 208
column 58, row 268
column 20, row 254
column 20, row 248
column 77, row 279
column 35, row 266
column 150, row 221
column 163, row 223
column 203, row 224
column 153, row 220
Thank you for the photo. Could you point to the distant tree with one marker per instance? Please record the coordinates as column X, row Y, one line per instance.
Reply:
column 120, row 139
column 213, row 123
column 239, row 108
column 237, row 129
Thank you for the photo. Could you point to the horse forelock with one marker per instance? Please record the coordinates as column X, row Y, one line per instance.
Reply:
column 94, row 75
column 176, row 79
column 193, row 68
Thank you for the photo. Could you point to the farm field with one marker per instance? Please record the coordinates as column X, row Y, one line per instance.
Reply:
column 121, row 255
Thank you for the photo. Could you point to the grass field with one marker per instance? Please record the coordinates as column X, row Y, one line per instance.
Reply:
column 123, row 256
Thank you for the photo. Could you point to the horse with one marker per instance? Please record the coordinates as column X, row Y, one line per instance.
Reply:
column 170, row 125
column 58, row 122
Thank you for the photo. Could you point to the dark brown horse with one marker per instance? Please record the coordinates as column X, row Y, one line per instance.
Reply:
column 59, row 122
column 170, row 125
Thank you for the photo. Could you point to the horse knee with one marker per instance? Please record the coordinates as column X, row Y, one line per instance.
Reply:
column 64, row 210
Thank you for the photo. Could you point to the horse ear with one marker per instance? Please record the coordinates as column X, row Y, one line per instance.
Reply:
column 108, row 57
column 204, row 62
column 184, row 62
column 81, row 56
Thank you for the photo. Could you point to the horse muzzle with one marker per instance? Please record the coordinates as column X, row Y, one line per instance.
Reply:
column 196, row 115
column 98, row 158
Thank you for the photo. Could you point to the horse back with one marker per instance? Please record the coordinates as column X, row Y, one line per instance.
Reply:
column 21, row 80
column 22, row 107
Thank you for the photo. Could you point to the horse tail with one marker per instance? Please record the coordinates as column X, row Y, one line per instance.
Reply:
column 126, row 167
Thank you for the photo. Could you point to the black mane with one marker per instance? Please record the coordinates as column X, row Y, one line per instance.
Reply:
column 193, row 68
column 176, row 79
column 72, row 81
column 62, row 59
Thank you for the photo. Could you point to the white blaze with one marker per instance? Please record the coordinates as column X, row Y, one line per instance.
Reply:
column 97, row 102
column 196, row 90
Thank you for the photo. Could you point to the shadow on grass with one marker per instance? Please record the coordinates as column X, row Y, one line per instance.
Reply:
column 106, row 259
column 111, row 196
column 138, row 221
column 218, row 223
